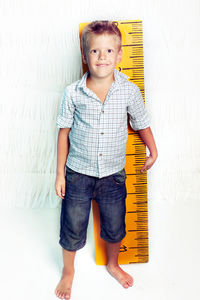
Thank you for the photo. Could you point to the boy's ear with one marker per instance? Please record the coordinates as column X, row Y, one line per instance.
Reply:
column 119, row 57
column 84, row 58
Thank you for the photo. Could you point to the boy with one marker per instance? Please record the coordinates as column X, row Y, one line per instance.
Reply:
column 92, row 145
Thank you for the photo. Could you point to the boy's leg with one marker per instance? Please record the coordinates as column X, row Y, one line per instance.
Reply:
column 113, row 267
column 63, row 289
column 111, row 197
column 74, row 219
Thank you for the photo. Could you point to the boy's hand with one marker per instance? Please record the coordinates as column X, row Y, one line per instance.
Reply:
column 148, row 163
column 60, row 186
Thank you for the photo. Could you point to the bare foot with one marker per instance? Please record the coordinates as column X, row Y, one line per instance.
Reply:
column 124, row 278
column 63, row 289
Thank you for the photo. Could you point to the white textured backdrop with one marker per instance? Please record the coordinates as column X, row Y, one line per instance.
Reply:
column 39, row 56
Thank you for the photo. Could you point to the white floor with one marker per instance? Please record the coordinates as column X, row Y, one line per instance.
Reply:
column 31, row 258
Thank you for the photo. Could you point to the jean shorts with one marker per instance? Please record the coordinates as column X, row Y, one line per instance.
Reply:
column 110, row 194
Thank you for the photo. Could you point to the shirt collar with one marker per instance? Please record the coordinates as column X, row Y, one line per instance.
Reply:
column 119, row 78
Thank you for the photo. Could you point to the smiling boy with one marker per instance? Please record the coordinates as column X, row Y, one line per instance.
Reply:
column 92, row 146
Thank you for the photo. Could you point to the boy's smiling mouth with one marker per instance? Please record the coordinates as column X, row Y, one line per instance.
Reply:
column 102, row 65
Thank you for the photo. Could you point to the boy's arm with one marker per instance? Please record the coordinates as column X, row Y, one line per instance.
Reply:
column 62, row 150
column 62, row 153
column 139, row 121
column 147, row 137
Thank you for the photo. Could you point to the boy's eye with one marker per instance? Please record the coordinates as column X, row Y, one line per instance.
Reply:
column 94, row 51
column 110, row 50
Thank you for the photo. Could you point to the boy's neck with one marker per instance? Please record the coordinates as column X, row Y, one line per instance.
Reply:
column 99, row 82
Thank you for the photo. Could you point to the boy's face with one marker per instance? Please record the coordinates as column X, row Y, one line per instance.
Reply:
column 102, row 55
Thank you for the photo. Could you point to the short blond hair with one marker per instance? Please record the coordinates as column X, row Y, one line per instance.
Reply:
column 98, row 28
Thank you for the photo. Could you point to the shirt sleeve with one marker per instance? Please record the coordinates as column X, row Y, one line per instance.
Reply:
column 65, row 117
column 138, row 116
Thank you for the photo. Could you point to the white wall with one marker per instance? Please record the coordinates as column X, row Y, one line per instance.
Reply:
column 39, row 56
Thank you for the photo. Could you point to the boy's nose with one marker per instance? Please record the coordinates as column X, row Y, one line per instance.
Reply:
column 102, row 55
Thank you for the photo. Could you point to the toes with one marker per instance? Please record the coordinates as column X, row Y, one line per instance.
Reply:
column 59, row 294
column 130, row 282
column 67, row 296
column 62, row 295
column 125, row 285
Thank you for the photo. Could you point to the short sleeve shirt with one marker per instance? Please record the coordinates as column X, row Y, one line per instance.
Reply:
column 99, row 131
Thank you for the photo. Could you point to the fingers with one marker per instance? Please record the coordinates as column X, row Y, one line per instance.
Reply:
column 63, row 192
column 146, row 165
column 60, row 191
column 144, row 168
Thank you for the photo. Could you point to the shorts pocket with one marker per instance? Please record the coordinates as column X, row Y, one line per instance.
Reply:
column 71, row 175
column 119, row 177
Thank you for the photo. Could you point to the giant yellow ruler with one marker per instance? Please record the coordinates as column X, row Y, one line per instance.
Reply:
column 134, row 247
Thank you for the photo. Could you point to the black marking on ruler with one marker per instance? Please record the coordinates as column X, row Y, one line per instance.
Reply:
column 128, row 68
column 137, row 193
column 138, row 145
column 133, row 133
column 131, row 212
column 141, row 194
column 123, row 248
column 136, row 32
column 136, row 211
column 132, row 69
column 132, row 174
column 139, row 202
column 133, row 79
column 142, row 250
column 141, row 150
column 132, row 45
column 137, row 69
column 133, row 154
column 139, row 183
column 137, row 247
column 135, row 22
column 136, row 230
column 136, row 56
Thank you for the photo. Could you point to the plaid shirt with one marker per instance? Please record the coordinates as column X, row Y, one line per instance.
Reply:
column 99, row 132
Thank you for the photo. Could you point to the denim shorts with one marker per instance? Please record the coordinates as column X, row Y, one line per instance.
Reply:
column 110, row 194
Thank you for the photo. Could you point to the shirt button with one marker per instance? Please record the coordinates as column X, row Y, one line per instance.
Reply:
column 100, row 154
column 102, row 132
column 102, row 111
